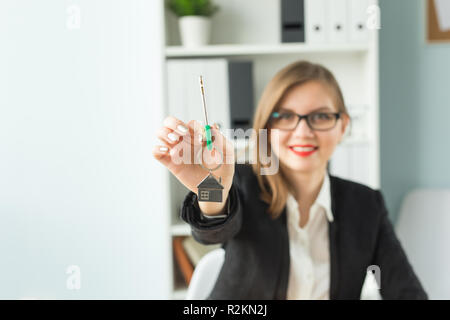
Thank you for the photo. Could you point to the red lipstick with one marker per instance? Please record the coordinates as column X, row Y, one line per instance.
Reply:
column 308, row 149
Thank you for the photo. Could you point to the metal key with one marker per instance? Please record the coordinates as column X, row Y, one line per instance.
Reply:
column 207, row 127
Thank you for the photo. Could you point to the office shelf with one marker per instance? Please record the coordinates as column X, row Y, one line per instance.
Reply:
column 263, row 49
column 180, row 229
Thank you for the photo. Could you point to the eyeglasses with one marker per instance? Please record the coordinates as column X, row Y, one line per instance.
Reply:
column 289, row 120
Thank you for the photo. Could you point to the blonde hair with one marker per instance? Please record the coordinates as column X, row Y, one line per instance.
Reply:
column 275, row 188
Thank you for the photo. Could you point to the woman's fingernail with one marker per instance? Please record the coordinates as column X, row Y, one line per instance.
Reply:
column 172, row 136
column 163, row 149
column 200, row 138
column 182, row 128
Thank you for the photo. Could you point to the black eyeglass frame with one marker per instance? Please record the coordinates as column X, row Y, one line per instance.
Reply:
column 337, row 116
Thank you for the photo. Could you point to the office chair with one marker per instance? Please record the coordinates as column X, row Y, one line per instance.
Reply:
column 205, row 275
column 423, row 228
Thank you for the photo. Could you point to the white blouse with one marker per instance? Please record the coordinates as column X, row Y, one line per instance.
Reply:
column 309, row 274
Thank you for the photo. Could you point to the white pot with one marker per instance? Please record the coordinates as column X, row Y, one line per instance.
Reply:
column 194, row 30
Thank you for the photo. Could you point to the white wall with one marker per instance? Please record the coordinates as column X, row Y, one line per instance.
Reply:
column 78, row 185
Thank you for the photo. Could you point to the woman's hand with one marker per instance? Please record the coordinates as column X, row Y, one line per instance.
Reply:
column 181, row 154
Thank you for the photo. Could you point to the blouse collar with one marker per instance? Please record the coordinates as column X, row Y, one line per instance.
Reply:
column 323, row 199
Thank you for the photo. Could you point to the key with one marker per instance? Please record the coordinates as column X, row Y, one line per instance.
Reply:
column 207, row 127
column 209, row 189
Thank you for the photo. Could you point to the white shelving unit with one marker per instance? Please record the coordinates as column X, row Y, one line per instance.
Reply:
column 180, row 229
column 227, row 50
column 256, row 36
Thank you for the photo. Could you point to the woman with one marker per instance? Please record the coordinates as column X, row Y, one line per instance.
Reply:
column 299, row 233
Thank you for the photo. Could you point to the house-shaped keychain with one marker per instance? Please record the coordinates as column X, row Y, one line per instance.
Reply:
column 210, row 189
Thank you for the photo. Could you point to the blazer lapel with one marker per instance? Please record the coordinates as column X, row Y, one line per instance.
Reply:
column 284, row 263
column 334, row 239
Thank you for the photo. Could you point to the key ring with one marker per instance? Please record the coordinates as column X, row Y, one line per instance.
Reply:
column 201, row 159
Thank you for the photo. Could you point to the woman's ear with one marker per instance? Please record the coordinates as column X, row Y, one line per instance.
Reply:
column 345, row 123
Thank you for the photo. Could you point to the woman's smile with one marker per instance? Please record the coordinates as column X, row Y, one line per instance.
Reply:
column 304, row 150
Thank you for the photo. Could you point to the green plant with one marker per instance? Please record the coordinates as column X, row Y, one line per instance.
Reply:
column 192, row 7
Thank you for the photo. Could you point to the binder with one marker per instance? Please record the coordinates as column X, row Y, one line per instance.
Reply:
column 183, row 91
column 228, row 87
column 340, row 162
column 360, row 122
column 292, row 21
column 240, row 86
column 315, row 20
column 358, row 18
column 338, row 23
column 360, row 155
column 351, row 161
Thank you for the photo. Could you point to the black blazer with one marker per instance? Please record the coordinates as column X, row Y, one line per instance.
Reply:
column 257, row 259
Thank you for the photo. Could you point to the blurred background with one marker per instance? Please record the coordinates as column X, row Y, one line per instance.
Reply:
column 87, row 213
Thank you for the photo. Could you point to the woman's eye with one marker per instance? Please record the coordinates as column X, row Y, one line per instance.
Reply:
column 285, row 116
column 321, row 116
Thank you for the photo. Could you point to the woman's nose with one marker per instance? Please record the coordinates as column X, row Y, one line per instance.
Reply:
column 303, row 130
